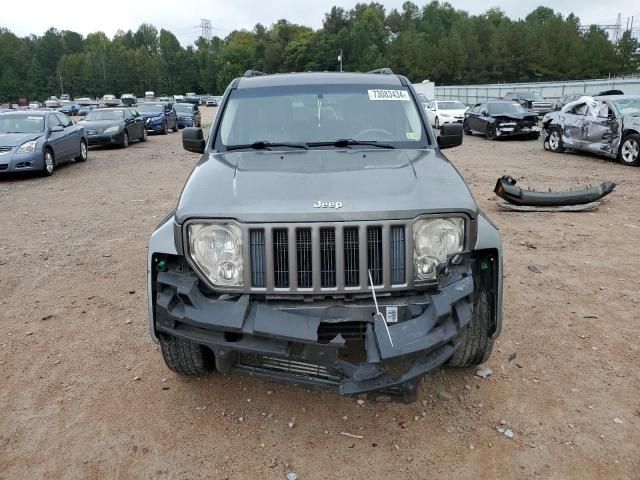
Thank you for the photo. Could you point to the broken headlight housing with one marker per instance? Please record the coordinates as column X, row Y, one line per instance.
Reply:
column 216, row 249
column 434, row 240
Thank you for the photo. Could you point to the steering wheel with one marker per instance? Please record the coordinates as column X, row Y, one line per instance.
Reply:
column 387, row 133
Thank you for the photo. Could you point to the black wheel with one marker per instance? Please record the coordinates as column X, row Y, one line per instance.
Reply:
column 125, row 140
column 630, row 150
column 84, row 152
column 476, row 344
column 143, row 138
column 437, row 122
column 465, row 128
column 185, row 357
column 555, row 140
column 175, row 126
column 49, row 164
column 164, row 130
column 491, row 132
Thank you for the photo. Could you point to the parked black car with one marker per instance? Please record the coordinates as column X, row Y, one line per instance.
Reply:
column 531, row 101
column 501, row 118
column 188, row 115
column 604, row 125
column 114, row 126
column 85, row 109
column 324, row 238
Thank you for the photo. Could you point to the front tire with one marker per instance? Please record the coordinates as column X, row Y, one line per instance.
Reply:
column 83, row 151
column 125, row 140
column 555, row 140
column 185, row 357
column 49, row 164
column 476, row 344
column 143, row 138
column 175, row 127
column 164, row 130
column 491, row 132
column 630, row 150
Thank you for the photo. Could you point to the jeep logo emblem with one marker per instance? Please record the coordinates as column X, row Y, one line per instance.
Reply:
column 320, row 204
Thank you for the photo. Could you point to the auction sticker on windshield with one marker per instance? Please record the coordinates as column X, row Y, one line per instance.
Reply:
column 385, row 95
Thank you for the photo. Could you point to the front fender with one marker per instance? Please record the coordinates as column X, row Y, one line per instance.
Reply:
column 489, row 239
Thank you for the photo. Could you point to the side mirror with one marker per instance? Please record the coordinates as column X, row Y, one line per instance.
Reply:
column 56, row 128
column 450, row 135
column 193, row 139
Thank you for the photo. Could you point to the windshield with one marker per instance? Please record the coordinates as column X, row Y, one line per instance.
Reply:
column 151, row 108
column 21, row 124
column 451, row 106
column 321, row 113
column 532, row 96
column 497, row 108
column 105, row 115
column 183, row 108
column 628, row 106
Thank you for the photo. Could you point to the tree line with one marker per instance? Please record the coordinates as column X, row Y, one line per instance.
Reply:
column 435, row 41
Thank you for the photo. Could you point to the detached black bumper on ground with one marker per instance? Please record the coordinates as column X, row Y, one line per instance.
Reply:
column 340, row 345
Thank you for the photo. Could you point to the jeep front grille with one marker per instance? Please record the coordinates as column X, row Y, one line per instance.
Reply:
column 319, row 258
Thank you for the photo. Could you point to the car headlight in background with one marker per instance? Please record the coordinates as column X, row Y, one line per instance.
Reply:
column 156, row 119
column 217, row 251
column 434, row 240
column 28, row 147
column 114, row 129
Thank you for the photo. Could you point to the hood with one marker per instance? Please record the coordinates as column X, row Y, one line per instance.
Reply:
column 515, row 116
column 17, row 139
column 99, row 124
column 259, row 186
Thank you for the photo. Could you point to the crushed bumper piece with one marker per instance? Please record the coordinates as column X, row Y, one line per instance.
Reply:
column 506, row 189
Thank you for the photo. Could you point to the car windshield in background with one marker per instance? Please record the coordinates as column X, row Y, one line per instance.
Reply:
column 151, row 108
column 321, row 113
column 533, row 96
column 183, row 108
column 628, row 106
column 451, row 106
column 104, row 115
column 21, row 124
column 498, row 108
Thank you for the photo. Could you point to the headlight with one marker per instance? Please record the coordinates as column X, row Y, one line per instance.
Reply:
column 156, row 119
column 434, row 240
column 217, row 251
column 113, row 129
column 28, row 147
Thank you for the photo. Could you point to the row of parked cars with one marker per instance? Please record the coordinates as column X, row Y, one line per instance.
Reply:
column 39, row 140
column 607, row 124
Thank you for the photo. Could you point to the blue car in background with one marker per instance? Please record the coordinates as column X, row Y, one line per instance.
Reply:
column 39, row 141
column 159, row 116
column 188, row 115
column 70, row 109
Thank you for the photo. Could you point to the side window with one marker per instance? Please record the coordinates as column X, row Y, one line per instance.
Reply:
column 579, row 109
column 128, row 115
column 483, row 107
column 53, row 121
column 476, row 109
column 64, row 121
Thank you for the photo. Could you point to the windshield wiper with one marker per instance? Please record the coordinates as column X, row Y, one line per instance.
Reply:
column 347, row 142
column 265, row 145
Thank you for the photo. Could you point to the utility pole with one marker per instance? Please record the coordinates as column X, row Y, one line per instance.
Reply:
column 60, row 78
column 340, row 59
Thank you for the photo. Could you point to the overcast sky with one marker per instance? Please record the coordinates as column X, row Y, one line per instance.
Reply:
column 182, row 17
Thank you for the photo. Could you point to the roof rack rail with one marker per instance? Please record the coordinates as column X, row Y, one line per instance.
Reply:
column 382, row 71
column 253, row 73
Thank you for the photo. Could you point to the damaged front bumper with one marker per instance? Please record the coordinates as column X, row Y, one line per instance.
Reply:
column 330, row 342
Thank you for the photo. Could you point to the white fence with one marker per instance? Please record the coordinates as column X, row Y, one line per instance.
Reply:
column 472, row 94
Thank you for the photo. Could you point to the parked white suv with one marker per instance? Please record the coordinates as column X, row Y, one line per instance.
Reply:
column 440, row 112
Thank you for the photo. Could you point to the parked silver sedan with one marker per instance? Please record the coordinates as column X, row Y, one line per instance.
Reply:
column 38, row 141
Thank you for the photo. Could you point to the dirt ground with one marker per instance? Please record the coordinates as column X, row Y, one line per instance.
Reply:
column 84, row 393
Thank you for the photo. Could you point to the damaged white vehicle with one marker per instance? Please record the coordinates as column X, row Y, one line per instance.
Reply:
column 604, row 125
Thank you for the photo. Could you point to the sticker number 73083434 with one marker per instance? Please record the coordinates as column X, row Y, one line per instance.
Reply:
column 386, row 95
